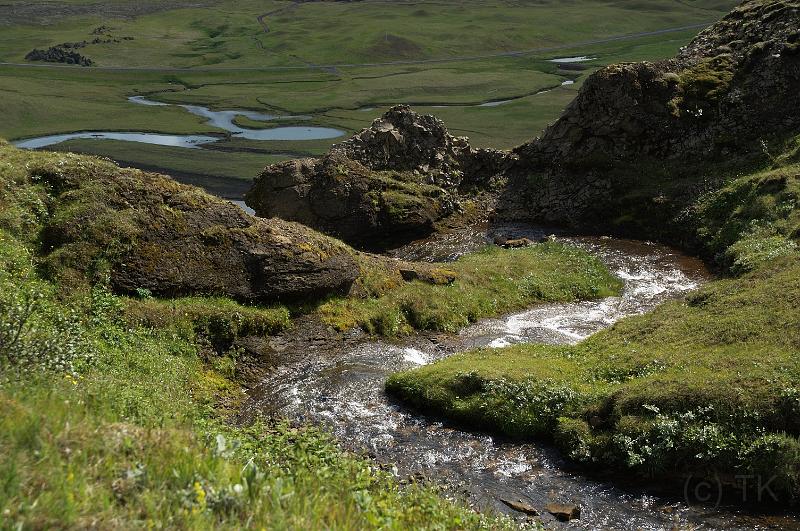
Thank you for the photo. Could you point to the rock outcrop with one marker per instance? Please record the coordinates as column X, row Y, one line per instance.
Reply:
column 732, row 92
column 736, row 83
column 58, row 54
column 148, row 232
column 388, row 184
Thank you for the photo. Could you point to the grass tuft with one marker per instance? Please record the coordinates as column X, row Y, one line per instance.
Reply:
column 487, row 283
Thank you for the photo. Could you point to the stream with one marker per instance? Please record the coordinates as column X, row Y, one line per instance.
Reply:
column 220, row 119
column 337, row 382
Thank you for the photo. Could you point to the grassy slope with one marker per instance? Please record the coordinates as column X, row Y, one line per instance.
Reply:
column 135, row 437
column 704, row 384
column 114, row 411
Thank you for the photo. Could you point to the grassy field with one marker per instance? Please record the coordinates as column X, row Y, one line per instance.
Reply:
column 224, row 33
column 218, row 54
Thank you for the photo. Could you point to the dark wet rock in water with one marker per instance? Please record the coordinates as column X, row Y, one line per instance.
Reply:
column 521, row 506
column 512, row 243
column 389, row 184
column 150, row 232
column 564, row 512
column 517, row 243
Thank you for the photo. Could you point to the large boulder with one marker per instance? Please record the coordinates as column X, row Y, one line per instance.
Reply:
column 146, row 231
column 389, row 184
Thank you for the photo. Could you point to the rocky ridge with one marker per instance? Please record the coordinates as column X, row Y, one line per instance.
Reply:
column 734, row 85
column 629, row 154
column 728, row 96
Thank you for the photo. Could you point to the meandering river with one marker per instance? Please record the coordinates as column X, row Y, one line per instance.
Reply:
column 339, row 385
column 224, row 120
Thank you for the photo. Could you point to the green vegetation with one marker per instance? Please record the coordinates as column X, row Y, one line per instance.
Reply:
column 754, row 218
column 228, row 34
column 702, row 385
column 487, row 283
column 218, row 320
column 219, row 55
column 114, row 411
column 118, row 410
column 109, row 425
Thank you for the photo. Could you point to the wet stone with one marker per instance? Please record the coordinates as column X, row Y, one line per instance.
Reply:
column 521, row 506
column 564, row 512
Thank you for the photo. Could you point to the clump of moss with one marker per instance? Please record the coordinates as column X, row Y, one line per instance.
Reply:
column 752, row 216
column 709, row 79
column 219, row 320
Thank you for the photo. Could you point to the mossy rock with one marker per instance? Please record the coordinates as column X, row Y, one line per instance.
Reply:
column 145, row 231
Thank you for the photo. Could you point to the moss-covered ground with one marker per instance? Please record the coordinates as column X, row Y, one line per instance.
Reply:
column 116, row 412
column 114, row 425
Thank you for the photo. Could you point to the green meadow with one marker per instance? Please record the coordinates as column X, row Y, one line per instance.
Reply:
column 443, row 58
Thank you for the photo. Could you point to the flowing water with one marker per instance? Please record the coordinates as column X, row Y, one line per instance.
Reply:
column 576, row 59
column 182, row 141
column 339, row 385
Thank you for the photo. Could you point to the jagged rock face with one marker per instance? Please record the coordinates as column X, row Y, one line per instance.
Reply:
column 404, row 140
column 386, row 185
column 343, row 198
column 644, row 126
column 177, row 240
column 737, row 83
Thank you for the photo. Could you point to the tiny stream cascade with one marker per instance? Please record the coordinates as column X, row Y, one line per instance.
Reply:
column 339, row 385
